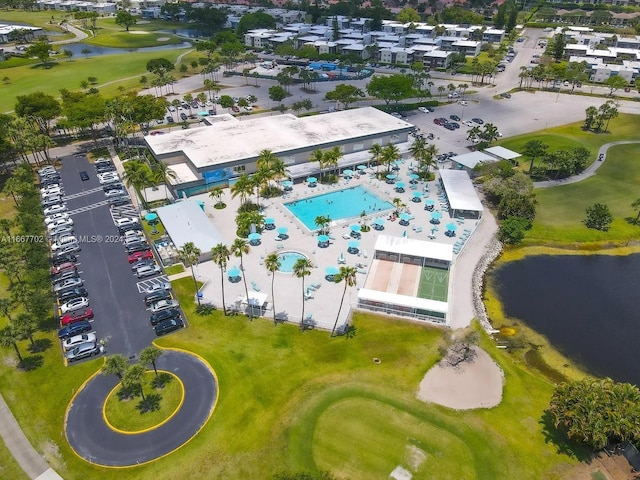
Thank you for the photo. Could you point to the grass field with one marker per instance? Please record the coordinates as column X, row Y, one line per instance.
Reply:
column 302, row 401
column 561, row 209
column 9, row 468
column 108, row 34
column 434, row 283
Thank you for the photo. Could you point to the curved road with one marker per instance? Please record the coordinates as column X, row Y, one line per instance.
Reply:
column 80, row 35
column 93, row 440
column 589, row 171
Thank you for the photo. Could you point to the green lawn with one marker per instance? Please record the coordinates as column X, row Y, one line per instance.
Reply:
column 561, row 209
column 301, row 401
column 434, row 283
column 69, row 74
column 108, row 34
column 9, row 468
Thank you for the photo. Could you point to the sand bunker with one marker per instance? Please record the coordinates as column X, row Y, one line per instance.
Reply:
column 162, row 39
column 476, row 384
column 138, row 32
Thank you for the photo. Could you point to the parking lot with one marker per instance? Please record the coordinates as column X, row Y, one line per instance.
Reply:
column 116, row 297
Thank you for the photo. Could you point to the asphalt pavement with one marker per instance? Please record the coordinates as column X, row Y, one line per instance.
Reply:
column 92, row 439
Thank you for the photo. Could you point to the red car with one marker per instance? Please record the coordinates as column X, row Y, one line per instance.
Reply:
column 76, row 316
column 235, row 108
column 145, row 255
column 64, row 267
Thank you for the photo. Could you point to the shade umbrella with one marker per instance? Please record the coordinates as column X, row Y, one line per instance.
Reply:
column 288, row 185
column 253, row 237
column 414, row 177
column 379, row 221
column 436, row 215
column 233, row 272
column 355, row 227
column 348, row 173
column 354, row 244
column 361, row 167
column 331, row 270
column 405, row 217
column 396, row 165
column 312, row 180
column 400, row 185
column 430, row 202
column 282, row 230
column 391, row 176
column 323, row 238
column 452, row 227
column 150, row 217
column 417, row 194
column 269, row 221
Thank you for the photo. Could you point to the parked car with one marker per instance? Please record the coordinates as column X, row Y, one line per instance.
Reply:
column 55, row 209
column 61, row 231
column 84, row 176
column 63, row 241
column 76, row 340
column 67, row 274
column 63, row 267
column 235, row 108
column 74, row 329
column 59, row 260
column 67, row 249
column 59, row 222
column 115, row 192
column 163, row 305
column 66, row 295
column 141, row 262
column 143, row 255
column 168, row 326
column 424, row 109
column 83, row 350
column 77, row 316
column 449, row 126
column 183, row 116
column 505, row 95
column 137, row 247
column 125, row 221
column 74, row 304
column 158, row 287
column 164, row 315
column 68, row 283
column 56, row 216
column 463, row 103
column 148, row 271
column 51, row 201
column 170, row 119
column 454, row 117
column 479, row 121
column 156, row 297
column 468, row 123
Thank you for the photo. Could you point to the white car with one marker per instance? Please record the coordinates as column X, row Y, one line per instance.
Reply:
column 59, row 223
column 67, row 284
column 131, row 239
column 158, row 287
column 75, row 304
column 248, row 109
column 468, row 123
column 50, row 189
column 58, row 244
column 423, row 109
column 108, row 176
column 115, row 192
column 126, row 221
column 76, row 340
column 148, row 270
column 108, row 180
column 54, row 217
column 463, row 103
column 163, row 305
column 47, row 169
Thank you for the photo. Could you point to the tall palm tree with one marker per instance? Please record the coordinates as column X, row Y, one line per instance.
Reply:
column 137, row 174
column 348, row 275
column 272, row 264
column 390, row 153
column 333, row 157
column 376, row 152
column 221, row 257
column 242, row 188
column 115, row 365
column 189, row 254
column 162, row 173
column 301, row 269
column 318, row 156
column 9, row 337
column 217, row 193
column 133, row 378
column 322, row 221
column 534, row 149
column 239, row 248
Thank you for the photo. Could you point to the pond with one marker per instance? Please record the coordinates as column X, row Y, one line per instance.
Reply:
column 186, row 32
column 586, row 305
column 77, row 48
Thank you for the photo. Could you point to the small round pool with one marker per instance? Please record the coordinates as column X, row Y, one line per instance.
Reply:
column 288, row 260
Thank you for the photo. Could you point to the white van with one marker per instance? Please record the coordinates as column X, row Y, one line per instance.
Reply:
column 64, row 241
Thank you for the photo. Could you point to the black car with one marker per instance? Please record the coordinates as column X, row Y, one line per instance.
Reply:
column 168, row 326
column 454, row 117
column 65, row 275
column 141, row 263
column 479, row 121
column 183, row 116
column 455, row 125
column 105, row 167
column 133, row 226
column 64, row 258
column 84, row 176
column 449, row 126
column 164, row 315
column 169, row 119
column 156, row 296
column 47, row 182
column 74, row 329
column 137, row 247
column 505, row 95
column 66, row 295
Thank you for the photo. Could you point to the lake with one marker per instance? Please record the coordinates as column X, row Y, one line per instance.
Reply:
column 77, row 48
column 586, row 305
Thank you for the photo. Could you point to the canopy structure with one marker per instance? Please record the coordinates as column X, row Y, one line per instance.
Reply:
column 502, row 153
column 470, row 160
column 461, row 195
column 411, row 247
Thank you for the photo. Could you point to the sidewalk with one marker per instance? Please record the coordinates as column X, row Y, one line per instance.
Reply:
column 29, row 460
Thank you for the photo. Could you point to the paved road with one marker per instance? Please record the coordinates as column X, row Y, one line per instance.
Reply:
column 93, row 440
column 79, row 35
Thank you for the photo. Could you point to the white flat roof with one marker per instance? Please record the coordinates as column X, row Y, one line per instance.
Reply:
column 460, row 191
column 470, row 160
column 229, row 139
column 502, row 152
column 414, row 247
column 403, row 300
column 183, row 174
column 186, row 222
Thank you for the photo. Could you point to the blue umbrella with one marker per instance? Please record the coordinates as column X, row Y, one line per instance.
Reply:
column 391, row 176
column 331, row 270
column 269, row 221
column 452, row 227
column 150, row 217
column 379, row 221
column 287, row 183
column 400, row 185
column 361, row 167
column 417, row 194
column 436, row 215
column 348, row 173
column 312, row 180
column 323, row 238
column 355, row 227
column 254, row 237
column 354, row 244
column 405, row 217
column 282, row 230
column 430, row 202
column 414, row 177
column 233, row 272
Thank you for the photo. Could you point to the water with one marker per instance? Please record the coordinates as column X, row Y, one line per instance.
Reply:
column 186, row 32
column 77, row 48
column 338, row 205
column 586, row 305
column 288, row 260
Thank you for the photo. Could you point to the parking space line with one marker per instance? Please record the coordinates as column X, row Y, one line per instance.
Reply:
column 145, row 284
column 87, row 208
column 83, row 193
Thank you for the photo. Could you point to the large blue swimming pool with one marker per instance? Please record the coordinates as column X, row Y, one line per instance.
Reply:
column 338, row 205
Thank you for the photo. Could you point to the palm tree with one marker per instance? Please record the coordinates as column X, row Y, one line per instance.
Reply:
column 189, row 254
column 390, row 153
column 322, row 221
column 149, row 355
column 221, row 256
column 6, row 305
column 115, row 365
column 301, row 269
column 441, row 90
column 137, row 174
column 9, row 337
column 348, row 274
column 490, row 133
column 272, row 264
column 534, row 149
column 217, row 193
column 635, row 205
column 5, row 225
column 333, row 156
column 376, row 152
column 318, row 156
column 162, row 173
column 239, row 248
column 242, row 188
column 133, row 378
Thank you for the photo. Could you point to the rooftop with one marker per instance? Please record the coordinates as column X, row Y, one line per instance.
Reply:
column 460, row 191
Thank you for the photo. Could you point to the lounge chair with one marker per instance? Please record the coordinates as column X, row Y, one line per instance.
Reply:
column 255, row 286
column 315, row 286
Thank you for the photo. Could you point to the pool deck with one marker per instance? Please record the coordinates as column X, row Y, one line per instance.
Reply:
column 326, row 299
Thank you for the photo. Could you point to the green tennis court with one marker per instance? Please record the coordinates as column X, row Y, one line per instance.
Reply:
column 434, row 283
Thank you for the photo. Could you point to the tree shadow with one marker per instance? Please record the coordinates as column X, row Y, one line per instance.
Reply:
column 563, row 445
column 31, row 362
column 44, row 65
column 161, row 380
column 40, row 345
column 125, row 393
column 632, row 221
column 151, row 403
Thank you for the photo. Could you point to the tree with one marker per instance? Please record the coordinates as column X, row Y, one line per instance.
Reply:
column 255, row 20
column 115, row 365
column 512, row 230
column 375, row 151
column 272, row 264
column 277, row 93
column 615, row 83
column 137, row 174
column 149, row 355
column 67, row 54
column 132, row 378
column 40, row 50
column 345, row 94
column 557, row 47
column 9, row 337
column 125, row 19
column 217, row 193
column 598, row 217
column 160, row 66
column 161, row 173
column 239, row 248
column 39, row 108
column 635, row 205
column 221, row 257
column 6, row 305
column 391, row 88
column 390, row 153
column 348, row 276
column 591, row 115
column 301, row 269
column 534, row 149
column 189, row 254
column 408, row 15
column 423, row 154
column 26, row 326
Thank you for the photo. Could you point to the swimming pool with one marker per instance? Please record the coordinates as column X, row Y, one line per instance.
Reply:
column 338, row 205
column 288, row 260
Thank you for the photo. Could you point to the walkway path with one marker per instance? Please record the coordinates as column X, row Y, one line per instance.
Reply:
column 29, row 460
column 79, row 36
column 91, row 438
column 587, row 172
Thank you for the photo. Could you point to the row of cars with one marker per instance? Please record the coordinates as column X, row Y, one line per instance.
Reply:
column 72, row 299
